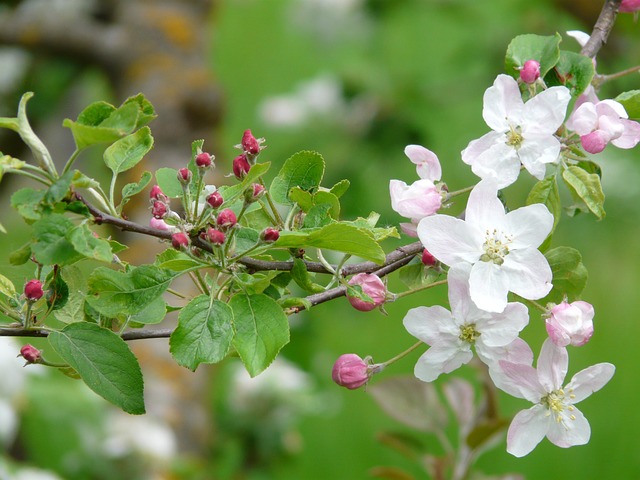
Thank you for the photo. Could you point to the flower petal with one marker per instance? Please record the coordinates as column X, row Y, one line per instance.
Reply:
column 527, row 430
column 584, row 119
column 502, row 102
column 553, row 363
column 521, row 381
column 459, row 299
column 488, row 286
column 499, row 162
column 589, row 380
column 427, row 162
column 500, row 329
column 545, row 112
column 450, row 239
column 630, row 136
column 572, row 429
column 528, row 272
column 442, row 358
column 431, row 324
column 536, row 151
column 528, row 226
column 484, row 209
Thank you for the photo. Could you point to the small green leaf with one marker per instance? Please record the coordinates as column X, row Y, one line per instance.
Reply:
column 245, row 238
column 303, row 169
column 27, row 202
column 51, row 243
column 204, row 332
column 80, row 180
column 9, row 164
column 20, row 256
column 176, row 261
column 6, row 287
column 416, row 275
column 340, row 188
column 57, row 290
column 152, row 314
column 574, row 71
column 146, row 112
column 544, row 49
column 167, row 179
column 85, row 243
column 301, row 276
column 303, row 198
column 585, row 187
column 295, row 303
column 262, row 329
column 569, row 274
column 317, row 216
column 128, row 151
column 546, row 192
column 231, row 193
column 131, row 189
column 631, row 102
column 105, row 363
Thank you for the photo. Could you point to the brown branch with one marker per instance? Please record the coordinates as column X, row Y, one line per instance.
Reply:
column 602, row 28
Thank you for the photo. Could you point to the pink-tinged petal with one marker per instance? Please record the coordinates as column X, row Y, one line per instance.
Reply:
column 410, row 229
column 553, row 363
column 418, row 200
column 450, row 239
column 611, row 126
column 545, row 112
column 528, row 272
column 488, row 286
column 499, row 163
column 427, row 163
column 442, row 358
column 458, row 282
column 595, row 141
column 502, row 102
column 584, row 119
column 480, row 145
column 500, row 329
column 589, row 380
column 611, row 108
column 537, row 151
column 528, row 226
column 527, row 430
column 432, row 325
column 572, row 429
column 485, row 211
column 522, row 381
column 517, row 352
column 630, row 136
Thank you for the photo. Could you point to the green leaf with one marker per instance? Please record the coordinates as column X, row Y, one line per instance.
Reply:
column 146, row 112
column 317, row 216
column 340, row 188
column 416, row 275
column 295, row 303
column 585, row 187
column 574, row 71
column 167, row 179
column 105, row 363
column 303, row 198
column 245, row 238
column 20, row 256
column 85, row 243
column 73, row 310
column 301, row 276
column 546, row 192
column 204, row 332
column 27, row 203
column 262, row 329
column 51, row 243
column 631, row 102
column 335, row 236
column 369, row 224
column 177, row 261
column 303, row 169
column 9, row 164
column 569, row 274
column 6, row 287
column 544, row 49
column 58, row 290
column 112, row 293
column 229, row 194
column 80, row 180
column 59, row 189
column 152, row 314
column 131, row 189
column 128, row 151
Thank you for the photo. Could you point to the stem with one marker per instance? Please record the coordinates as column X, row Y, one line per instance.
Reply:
column 602, row 79
column 403, row 354
column 326, row 264
column 419, row 289
column 71, row 160
column 455, row 193
column 112, row 189
column 32, row 176
column 276, row 214
column 602, row 28
column 176, row 293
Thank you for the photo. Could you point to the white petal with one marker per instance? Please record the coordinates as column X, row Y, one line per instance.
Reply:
column 630, row 136
column 527, row 430
column 522, row 381
column 488, row 286
column 500, row 329
column 589, row 380
column 528, row 226
column 545, row 112
column 480, row 145
column 584, row 119
column 528, row 273
column 537, row 151
column 499, row 163
column 573, row 429
column 501, row 102
column 552, row 365
column 442, row 358
column 427, row 163
column 450, row 239
column 484, row 209
column 581, row 37
column 431, row 324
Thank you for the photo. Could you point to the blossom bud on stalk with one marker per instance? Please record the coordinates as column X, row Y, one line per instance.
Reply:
column 428, row 260
column 253, row 193
column 215, row 236
column 530, row 72
column 250, row 144
column 570, row 323
column 215, row 200
column 241, row 166
column 373, row 287
column 159, row 224
column 270, row 235
column 226, row 218
column 204, row 160
column 351, row 371
column 184, row 176
column 159, row 209
column 629, row 6
column 31, row 354
column 157, row 194
column 33, row 290
column 179, row 240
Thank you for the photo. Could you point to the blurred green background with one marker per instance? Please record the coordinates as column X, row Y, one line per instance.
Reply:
column 356, row 81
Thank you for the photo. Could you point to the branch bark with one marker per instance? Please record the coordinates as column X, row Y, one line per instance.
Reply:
column 602, row 28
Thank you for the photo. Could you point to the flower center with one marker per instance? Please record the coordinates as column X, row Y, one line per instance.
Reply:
column 469, row 334
column 514, row 137
column 556, row 402
column 494, row 248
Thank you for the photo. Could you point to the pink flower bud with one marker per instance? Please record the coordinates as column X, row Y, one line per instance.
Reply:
column 416, row 201
column 427, row 259
column 215, row 200
column 31, row 354
column 250, row 144
column 254, row 193
column 33, row 290
column 179, row 240
column 203, row 160
column 629, row 6
column 241, row 166
column 570, row 323
column 350, row 371
column 270, row 235
column 159, row 224
column 184, row 175
column 371, row 286
column 226, row 218
column 530, row 72
column 215, row 236
column 159, row 209
column 595, row 141
column 157, row 194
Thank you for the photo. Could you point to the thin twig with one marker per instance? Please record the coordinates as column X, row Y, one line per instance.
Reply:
column 602, row 28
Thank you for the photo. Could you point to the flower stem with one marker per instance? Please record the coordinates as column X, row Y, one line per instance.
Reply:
column 403, row 354
column 418, row 289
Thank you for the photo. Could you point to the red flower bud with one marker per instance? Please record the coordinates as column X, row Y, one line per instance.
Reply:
column 215, row 236
column 530, row 72
column 215, row 200
column 254, row 193
column 33, row 290
column 427, row 259
column 241, row 166
column 204, row 160
column 249, row 143
column 157, row 194
column 350, row 371
column 179, row 240
column 226, row 218
column 373, row 287
column 31, row 354
column 159, row 209
column 270, row 235
column 184, row 175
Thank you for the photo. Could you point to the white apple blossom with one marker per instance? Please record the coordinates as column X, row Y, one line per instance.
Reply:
column 502, row 247
column 451, row 335
column 427, row 162
column 523, row 133
column 553, row 414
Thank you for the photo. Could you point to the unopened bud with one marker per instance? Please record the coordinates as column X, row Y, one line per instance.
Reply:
column 253, row 193
column 373, row 287
column 31, row 354
column 530, row 72
column 270, row 235
column 629, row 6
column 33, row 290
column 351, row 371
column 250, row 144
column 184, row 175
column 157, row 194
column 159, row 209
column 428, row 260
column 179, row 240
column 215, row 200
column 204, row 160
column 570, row 323
column 241, row 166
column 226, row 218
column 215, row 236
